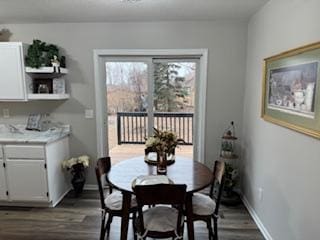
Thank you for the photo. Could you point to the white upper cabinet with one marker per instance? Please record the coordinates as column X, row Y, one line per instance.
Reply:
column 12, row 72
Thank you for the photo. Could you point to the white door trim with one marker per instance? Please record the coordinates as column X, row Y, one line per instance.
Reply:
column 100, row 89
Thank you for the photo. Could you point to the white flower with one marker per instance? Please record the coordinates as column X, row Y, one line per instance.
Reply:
column 151, row 141
column 69, row 163
column 84, row 159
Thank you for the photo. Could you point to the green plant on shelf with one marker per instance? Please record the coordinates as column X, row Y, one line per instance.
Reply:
column 41, row 54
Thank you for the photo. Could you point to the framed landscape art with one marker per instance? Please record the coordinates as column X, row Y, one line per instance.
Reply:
column 291, row 88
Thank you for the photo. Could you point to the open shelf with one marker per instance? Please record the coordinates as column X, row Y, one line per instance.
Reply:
column 49, row 96
column 47, row 70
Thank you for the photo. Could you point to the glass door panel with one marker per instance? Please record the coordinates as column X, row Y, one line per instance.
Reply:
column 127, row 94
column 173, row 96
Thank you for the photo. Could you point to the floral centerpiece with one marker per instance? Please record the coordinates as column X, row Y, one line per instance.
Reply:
column 163, row 143
column 76, row 166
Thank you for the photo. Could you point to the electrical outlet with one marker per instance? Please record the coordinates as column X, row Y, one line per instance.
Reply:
column 6, row 113
column 260, row 194
column 88, row 113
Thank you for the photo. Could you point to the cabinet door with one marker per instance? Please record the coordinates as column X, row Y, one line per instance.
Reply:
column 12, row 81
column 3, row 187
column 27, row 180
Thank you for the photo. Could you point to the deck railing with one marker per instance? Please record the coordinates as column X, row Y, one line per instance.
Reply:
column 132, row 126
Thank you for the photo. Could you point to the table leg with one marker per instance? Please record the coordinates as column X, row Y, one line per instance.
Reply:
column 189, row 217
column 125, row 218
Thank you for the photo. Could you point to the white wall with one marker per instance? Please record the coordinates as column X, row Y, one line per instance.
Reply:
column 226, row 42
column 284, row 163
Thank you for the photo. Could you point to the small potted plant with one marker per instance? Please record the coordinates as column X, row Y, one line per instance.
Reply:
column 164, row 144
column 77, row 166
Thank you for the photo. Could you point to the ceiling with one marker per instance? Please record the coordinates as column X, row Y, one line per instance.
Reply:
column 39, row 11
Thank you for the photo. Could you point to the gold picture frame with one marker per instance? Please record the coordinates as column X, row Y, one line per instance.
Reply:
column 291, row 89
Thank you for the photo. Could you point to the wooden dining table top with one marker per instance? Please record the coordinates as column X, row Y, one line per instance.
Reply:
column 194, row 174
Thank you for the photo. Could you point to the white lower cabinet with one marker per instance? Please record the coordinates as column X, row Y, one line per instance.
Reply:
column 3, row 187
column 27, row 180
column 31, row 175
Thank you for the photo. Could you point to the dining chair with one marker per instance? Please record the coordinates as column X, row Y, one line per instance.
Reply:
column 206, row 208
column 112, row 203
column 164, row 220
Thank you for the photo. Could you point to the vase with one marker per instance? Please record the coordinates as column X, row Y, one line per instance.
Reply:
column 43, row 88
column 309, row 96
column 161, row 163
column 78, row 178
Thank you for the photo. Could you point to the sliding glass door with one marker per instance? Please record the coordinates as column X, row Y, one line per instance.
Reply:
column 147, row 93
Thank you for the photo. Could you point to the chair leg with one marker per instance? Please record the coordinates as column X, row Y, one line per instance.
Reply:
column 109, row 221
column 209, row 226
column 182, row 229
column 215, row 225
column 103, row 227
column 134, row 217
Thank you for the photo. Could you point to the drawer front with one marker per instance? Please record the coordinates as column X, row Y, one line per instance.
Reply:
column 1, row 153
column 24, row 152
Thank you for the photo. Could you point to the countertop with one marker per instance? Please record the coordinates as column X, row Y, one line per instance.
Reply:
column 21, row 135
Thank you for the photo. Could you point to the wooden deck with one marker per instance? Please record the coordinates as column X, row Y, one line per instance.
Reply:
column 126, row 151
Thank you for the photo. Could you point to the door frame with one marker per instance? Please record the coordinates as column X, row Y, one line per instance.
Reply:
column 99, row 58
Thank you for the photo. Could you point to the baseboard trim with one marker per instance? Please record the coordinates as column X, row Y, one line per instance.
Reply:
column 90, row 187
column 256, row 219
column 61, row 197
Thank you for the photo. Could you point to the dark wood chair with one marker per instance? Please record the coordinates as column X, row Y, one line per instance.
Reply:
column 206, row 208
column 160, row 221
column 112, row 203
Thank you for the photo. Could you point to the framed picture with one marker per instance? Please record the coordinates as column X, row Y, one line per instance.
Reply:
column 291, row 88
column 34, row 122
column 58, row 85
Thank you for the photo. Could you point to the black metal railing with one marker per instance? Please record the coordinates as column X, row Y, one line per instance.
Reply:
column 132, row 126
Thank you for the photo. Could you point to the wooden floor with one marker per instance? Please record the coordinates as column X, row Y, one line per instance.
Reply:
column 79, row 219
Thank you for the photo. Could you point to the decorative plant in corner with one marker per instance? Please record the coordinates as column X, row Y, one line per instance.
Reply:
column 231, row 179
column 41, row 54
column 77, row 167
column 229, row 156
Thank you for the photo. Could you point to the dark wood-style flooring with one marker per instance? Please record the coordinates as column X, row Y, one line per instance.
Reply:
column 79, row 219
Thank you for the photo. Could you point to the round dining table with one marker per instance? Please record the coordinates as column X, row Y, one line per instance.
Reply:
column 194, row 174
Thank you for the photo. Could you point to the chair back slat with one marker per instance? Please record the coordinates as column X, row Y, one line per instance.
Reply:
column 219, row 170
column 218, row 183
column 102, row 168
column 160, row 194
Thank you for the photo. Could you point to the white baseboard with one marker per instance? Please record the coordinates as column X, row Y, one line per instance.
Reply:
column 61, row 197
column 256, row 219
column 90, row 187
